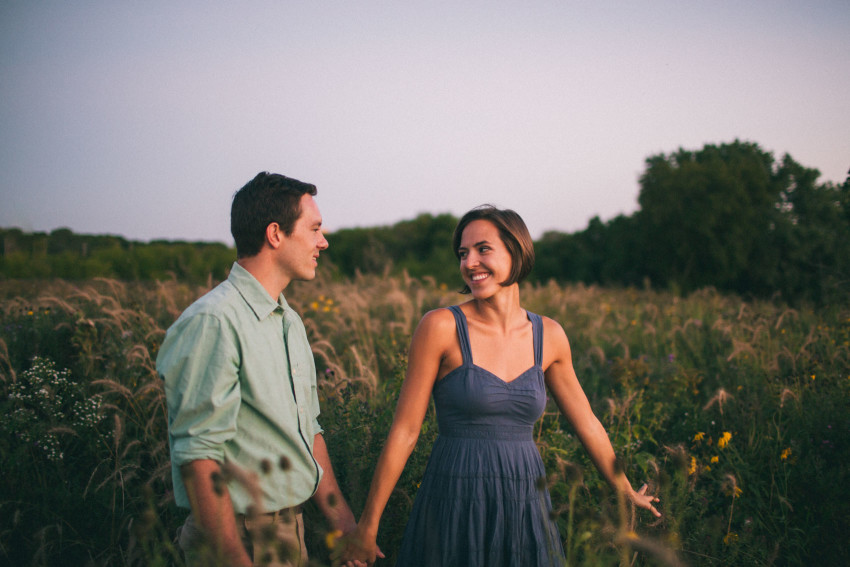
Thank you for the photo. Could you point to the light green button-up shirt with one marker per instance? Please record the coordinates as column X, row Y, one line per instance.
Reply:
column 240, row 383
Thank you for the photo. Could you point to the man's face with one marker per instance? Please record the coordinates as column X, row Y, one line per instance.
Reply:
column 299, row 254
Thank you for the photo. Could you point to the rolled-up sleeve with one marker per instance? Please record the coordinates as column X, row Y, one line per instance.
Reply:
column 199, row 363
column 317, row 427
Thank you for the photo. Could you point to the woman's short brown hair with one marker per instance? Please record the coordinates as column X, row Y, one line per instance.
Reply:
column 514, row 235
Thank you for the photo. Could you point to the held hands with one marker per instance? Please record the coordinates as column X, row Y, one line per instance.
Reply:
column 643, row 500
column 355, row 549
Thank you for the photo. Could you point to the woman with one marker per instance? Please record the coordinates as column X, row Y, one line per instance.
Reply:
column 487, row 363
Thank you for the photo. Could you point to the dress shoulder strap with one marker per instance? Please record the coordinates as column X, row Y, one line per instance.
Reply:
column 462, row 334
column 537, row 332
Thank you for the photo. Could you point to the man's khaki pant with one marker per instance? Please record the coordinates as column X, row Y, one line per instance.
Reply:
column 274, row 540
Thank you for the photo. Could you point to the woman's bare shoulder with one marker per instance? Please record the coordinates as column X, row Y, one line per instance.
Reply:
column 437, row 321
column 552, row 329
column 556, row 346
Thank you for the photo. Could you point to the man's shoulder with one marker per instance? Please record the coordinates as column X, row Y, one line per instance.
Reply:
column 220, row 302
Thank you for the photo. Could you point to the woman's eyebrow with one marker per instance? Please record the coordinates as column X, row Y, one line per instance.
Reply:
column 476, row 244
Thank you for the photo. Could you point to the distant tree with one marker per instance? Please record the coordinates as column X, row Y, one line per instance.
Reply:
column 705, row 214
column 812, row 235
column 729, row 216
column 64, row 254
column 608, row 253
column 559, row 256
column 363, row 249
column 421, row 246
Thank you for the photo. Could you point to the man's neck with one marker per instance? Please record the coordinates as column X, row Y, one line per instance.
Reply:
column 264, row 271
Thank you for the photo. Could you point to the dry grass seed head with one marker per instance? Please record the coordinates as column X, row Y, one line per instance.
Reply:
column 324, row 349
column 117, row 430
column 596, row 352
column 785, row 394
column 679, row 456
column 114, row 387
column 59, row 304
column 740, row 347
column 720, row 398
column 787, row 312
column 730, row 484
column 363, row 370
column 8, row 373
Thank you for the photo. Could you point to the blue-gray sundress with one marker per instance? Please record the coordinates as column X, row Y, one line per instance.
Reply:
column 482, row 501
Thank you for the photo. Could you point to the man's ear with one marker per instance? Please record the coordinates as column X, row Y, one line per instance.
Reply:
column 274, row 235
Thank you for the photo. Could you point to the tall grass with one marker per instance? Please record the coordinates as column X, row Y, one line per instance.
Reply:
column 735, row 412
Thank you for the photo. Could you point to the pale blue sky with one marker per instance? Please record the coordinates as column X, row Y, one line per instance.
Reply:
column 142, row 119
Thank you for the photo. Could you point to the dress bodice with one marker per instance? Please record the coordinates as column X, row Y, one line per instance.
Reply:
column 471, row 398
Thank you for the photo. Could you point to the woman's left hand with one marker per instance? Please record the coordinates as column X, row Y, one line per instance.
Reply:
column 643, row 500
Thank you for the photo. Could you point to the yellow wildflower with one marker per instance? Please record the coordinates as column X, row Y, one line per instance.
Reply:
column 730, row 538
column 715, row 458
column 724, row 439
column 692, row 468
column 699, row 436
column 736, row 492
column 331, row 537
column 785, row 453
column 314, row 306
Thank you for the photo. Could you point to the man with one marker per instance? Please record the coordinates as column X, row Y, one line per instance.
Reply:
column 240, row 383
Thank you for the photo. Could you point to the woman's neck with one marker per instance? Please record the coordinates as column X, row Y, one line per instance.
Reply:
column 501, row 309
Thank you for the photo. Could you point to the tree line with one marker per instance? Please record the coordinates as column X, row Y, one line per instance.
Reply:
column 728, row 216
column 66, row 255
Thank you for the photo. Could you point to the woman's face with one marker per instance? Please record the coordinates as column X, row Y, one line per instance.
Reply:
column 484, row 259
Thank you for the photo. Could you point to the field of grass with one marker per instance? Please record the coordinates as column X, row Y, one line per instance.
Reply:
column 737, row 414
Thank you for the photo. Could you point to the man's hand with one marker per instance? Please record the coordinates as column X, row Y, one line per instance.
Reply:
column 213, row 509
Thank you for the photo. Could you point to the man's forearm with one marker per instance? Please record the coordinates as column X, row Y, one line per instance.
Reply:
column 328, row 495
column 213, row 509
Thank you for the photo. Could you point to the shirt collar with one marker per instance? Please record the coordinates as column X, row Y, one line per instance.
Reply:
column 254, row 294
